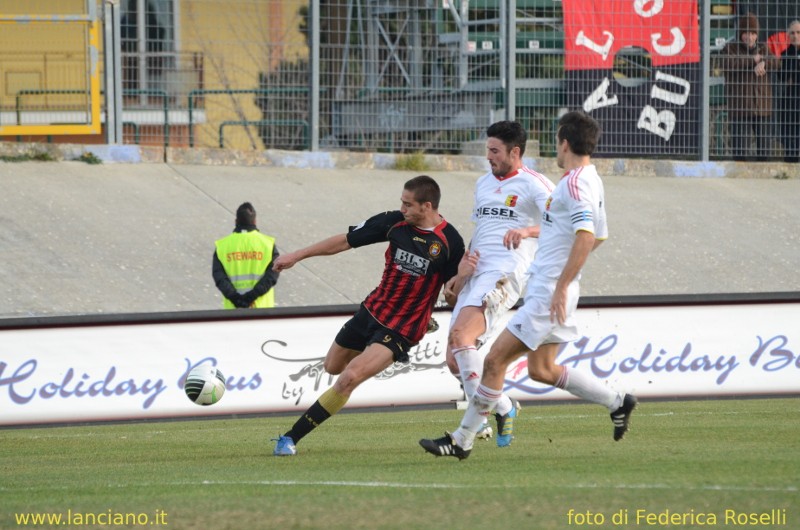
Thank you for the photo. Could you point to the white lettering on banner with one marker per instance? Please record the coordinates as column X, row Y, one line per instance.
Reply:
column 659, row 123
column 673, row 48
column 671, row 97
column 648, row 8
column 599, row 97
column 582, row 40
column 669, row 31
column 663, row 123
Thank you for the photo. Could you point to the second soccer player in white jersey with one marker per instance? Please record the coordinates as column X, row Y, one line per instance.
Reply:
column 509, row 202
column 573, row 225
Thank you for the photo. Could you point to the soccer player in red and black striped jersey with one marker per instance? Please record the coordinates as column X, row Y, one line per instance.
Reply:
column 424, row 252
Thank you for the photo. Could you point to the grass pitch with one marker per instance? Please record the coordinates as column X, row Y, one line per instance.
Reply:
column 733, row 460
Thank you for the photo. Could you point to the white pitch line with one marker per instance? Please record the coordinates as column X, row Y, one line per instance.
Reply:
column 400, row 485
column 637, row 414
column 788, row 489
column 93, row 434
column 357, row 484
column 338, row 483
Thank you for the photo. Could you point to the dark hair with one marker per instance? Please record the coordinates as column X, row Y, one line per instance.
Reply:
column 511, row 133
column 245, row 214
column 580, row 130
column 748, row 24
column 425, row 189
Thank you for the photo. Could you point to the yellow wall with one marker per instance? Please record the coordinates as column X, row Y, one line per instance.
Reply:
column 42, row 55
column 42, row 7
column 239, row 39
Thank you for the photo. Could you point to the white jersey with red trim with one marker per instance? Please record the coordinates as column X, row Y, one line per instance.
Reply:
column 577, row 203
column 514, row 201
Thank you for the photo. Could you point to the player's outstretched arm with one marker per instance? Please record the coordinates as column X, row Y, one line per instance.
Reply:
column 326, row 247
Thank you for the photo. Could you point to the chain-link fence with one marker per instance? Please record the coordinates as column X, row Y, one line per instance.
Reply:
column 48, row 68
column 678, row 79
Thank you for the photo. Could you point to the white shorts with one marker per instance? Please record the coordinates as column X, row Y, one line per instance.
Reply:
column 499, row 290
column 531, row 323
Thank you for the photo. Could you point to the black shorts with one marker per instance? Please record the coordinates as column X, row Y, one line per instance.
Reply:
column 363, row 330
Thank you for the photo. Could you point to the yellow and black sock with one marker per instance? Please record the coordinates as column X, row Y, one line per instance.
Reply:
column 328, row 404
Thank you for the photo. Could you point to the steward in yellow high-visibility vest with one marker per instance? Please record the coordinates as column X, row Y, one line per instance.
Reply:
column 242, row 264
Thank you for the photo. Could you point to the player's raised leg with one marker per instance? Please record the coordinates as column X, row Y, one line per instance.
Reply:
column 543, row 368
column 374, row 359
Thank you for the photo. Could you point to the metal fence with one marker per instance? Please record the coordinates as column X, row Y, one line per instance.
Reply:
column 673, row 79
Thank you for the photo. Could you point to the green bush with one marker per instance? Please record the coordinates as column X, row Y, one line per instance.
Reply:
column 412, row 162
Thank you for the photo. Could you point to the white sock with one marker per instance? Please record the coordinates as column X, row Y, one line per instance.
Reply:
column 504, row 406
column 481, row 405
column 470, row 367
column 458, row 378
column 589, row 388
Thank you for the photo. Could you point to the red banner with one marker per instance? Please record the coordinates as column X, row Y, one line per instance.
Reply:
column 596, row 30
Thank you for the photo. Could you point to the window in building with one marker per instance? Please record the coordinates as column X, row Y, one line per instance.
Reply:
column 148, row 41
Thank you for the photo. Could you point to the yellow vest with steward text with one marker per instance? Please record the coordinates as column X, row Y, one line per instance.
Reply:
column 245, row 257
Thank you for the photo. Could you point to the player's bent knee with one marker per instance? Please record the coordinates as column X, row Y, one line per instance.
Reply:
column 350, row 379
column 333, row 367
column 542, row 375
column 455, row 339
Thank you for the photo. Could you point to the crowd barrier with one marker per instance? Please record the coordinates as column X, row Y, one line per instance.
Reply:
column 132, row 366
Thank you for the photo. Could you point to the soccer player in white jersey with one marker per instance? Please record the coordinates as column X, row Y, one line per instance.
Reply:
column 509, row 201
column 573, row 224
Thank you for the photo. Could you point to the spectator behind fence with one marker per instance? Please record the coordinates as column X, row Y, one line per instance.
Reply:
column 242, row 264
column 748, row 91
column 790, row 103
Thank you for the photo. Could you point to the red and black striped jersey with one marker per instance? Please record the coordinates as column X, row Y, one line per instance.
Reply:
column 418, row 263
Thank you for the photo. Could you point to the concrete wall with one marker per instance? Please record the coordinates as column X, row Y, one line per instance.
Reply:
column 136, row 235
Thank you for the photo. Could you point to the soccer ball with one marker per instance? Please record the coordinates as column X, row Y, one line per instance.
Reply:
column 205, row 385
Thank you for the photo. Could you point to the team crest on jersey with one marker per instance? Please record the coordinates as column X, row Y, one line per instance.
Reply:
column 546, row 213
column 511, row 200
column 435, row 249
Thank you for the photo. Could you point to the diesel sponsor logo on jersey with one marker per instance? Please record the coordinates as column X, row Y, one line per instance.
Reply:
column 411, row 263
column 494, row 211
